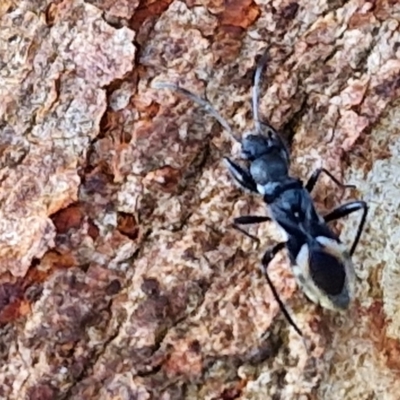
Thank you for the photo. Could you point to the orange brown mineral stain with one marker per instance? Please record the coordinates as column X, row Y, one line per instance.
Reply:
column 127, row 225
column 165, row 178
column 68, row 218
column 13, row 300
column 13, row 311
column 148, row 9
column 53, row 260
column 240, row 13
column 387, row 346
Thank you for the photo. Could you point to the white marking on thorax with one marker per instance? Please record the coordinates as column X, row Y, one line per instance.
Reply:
column 267, row 189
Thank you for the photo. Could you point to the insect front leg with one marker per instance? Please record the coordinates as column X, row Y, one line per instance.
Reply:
column 266, row 260
column 241, row 175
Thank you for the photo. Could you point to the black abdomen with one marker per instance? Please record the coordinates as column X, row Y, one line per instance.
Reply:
column 327, row 272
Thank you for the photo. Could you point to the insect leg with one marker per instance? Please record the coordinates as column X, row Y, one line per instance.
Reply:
column 251, row 219
column 267, row 258
column 248, row 220
column 317, row 173
column 346, row 209
column 241, row 175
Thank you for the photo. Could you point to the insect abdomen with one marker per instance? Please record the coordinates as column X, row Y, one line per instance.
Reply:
column 327, row 272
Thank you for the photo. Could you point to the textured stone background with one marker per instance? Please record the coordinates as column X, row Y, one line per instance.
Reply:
column 120, row 276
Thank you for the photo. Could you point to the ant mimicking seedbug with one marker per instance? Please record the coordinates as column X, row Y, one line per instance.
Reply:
column 320, row 262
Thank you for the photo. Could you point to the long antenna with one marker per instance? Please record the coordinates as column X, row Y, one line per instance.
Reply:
column 256, row 89
column 202, row 102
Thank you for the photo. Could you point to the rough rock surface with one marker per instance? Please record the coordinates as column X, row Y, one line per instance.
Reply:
column 120, row 275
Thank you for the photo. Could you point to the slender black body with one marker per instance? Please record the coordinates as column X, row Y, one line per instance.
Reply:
column 321, row 263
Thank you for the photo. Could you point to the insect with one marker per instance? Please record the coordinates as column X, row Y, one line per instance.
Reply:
column 321, row 263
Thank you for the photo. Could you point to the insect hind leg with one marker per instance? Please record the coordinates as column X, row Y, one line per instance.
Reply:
column 346, row 209
column 266, row 260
